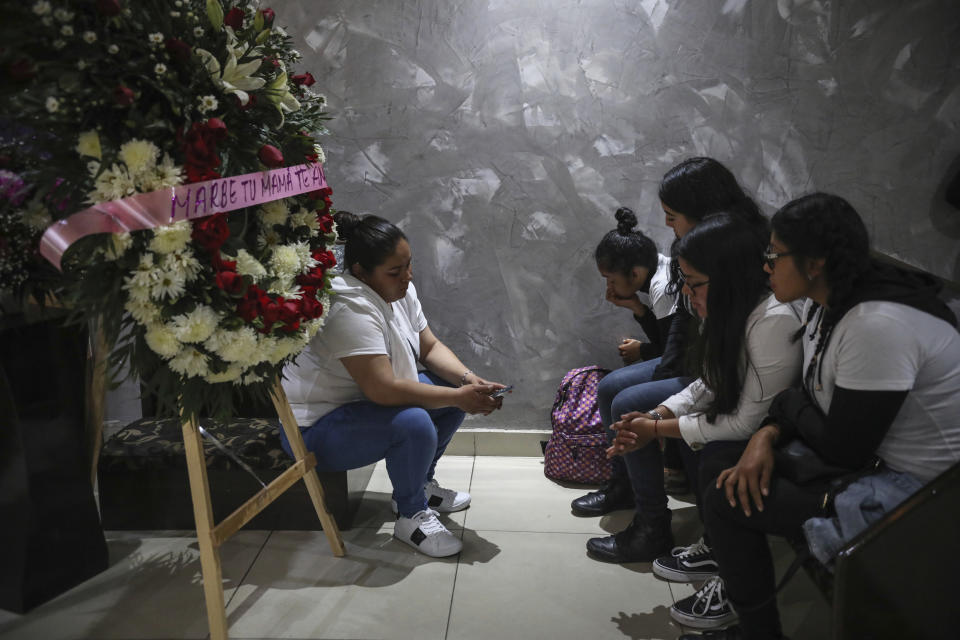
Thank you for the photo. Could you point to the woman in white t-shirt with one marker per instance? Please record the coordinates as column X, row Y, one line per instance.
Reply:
column 881, row 391
column 358, row 388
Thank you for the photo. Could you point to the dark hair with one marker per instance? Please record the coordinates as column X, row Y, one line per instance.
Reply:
column 622, row 249
column 730, row 253
column 699, row 187
column 821, row 225
column 369, row 240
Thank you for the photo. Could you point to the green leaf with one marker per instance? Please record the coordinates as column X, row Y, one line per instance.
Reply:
column 258, row 20
column 215, row 14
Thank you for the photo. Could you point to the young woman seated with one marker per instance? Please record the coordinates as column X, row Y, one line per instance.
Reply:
column 881, row 392
column 357, row 386
column 690, row 191
column 745, row 355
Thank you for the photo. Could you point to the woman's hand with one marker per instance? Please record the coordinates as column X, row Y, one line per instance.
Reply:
column 630, row 350
column 631, row 302
column 750, row 477
column 633, row 431
column 475, row 398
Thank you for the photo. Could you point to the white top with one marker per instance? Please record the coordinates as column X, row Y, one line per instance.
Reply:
column 887, row 346
column 773, row 365
column 661, row 303
column 359, row 322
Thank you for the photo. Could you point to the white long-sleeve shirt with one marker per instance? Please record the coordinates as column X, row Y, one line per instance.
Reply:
column 773, row 364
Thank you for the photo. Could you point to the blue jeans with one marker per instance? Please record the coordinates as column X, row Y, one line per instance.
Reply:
column 632, row 388
column 411, row 439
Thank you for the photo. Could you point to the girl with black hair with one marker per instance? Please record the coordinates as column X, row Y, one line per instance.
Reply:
column 744, row 355
column 357, row 385
column 881, row 385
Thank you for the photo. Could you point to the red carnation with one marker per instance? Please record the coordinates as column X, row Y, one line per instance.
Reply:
column 178, row 49
column 211, row 232
column 200, row 149
column 217, row 129
column 268, row 16
column 123, row 96
column 248, row 308
column 325, row 221
column 270, row 156
column 108, row 8
column 326, row 258
column 230, row 281
column 305, row 79
column 234, row 18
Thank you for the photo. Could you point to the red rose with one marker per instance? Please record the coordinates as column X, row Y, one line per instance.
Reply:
column 326, row 222
column 230, row 281
column 123, row 96
column 234, row 18
column 326, row 258
column 268, row 16
column 21, row 69
column 312, row 280
column 222, row 265
column 310, row 308
column 108, row 8
column 249, row 308
column 200, row 148
column 304, row 79
column 211, row 232
column 272, row 61
column 178, row 49
column 217, row 129
column 270, row 156
column 251, row 101
column 269, row 312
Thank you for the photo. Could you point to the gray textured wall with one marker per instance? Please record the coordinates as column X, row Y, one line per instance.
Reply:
column 501, row 136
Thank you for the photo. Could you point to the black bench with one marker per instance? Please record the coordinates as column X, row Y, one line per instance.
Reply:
column 897, row 579
column 143, row 483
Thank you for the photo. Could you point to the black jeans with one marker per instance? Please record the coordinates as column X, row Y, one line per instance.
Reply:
column 739, row 543
column 645, row 468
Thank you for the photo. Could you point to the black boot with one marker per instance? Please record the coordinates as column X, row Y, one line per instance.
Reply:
column 616, row 494
column 639, row 542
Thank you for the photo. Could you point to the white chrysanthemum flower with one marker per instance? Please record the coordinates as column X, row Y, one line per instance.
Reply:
column 252, row 378
column 112, row 184
column 171, row 237
column 88, row 144
column 303, row 255
column 155, row 38
column 190, row 362
column 66, row 30
column 198, row 31
column 36, row 217
column 183, row 262
column 207, row 103
column 197, row 325
column 143, row 311
column 63, row 15
column 168, row 174
column 274, row 212
column 268, row 238
column 145, row 273
column 113, row 49
column 89, row 37
column 285, row 287
column 283, row 348
column 162, row 340
column 232, row 374
column 247, row 265
column 138, row 290
column 168, row 284
column 305, row 219
column 52, row 104
column 59, row 44
column 159, row 68
column 139, row 156
column 41, row 8
column 321, row 156
column 285, row 260
column 239, row 346
column 119, row 243
column 314, row 326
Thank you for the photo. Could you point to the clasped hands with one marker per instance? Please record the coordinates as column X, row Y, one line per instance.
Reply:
column 633, row 431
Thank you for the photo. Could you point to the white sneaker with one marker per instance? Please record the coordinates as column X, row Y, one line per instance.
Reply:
column 445, row 500
column 426, row 534
column 440, row 499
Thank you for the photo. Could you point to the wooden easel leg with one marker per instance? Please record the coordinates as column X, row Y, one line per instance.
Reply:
column 96, row 396
column 203, row 515
column 314, row 488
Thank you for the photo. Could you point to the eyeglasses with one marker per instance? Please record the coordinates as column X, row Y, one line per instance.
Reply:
column 770, row 257
column 693, row 286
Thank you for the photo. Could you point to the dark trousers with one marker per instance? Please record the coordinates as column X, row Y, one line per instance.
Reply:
column 739, row 543
column 645, row 468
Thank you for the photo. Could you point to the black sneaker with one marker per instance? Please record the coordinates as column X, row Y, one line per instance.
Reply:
column 708, row 608
column 730, row 633
column 687, row 564
column 639, row 542
column 616, row 494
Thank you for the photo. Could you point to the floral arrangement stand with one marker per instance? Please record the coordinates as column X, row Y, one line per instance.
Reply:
column 211, row 536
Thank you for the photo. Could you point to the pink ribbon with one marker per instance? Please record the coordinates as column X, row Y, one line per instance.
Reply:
column 186, row 202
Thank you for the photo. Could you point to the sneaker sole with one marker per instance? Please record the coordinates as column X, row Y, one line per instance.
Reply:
column 699, row 622
column 419, row 549
column 680, row 576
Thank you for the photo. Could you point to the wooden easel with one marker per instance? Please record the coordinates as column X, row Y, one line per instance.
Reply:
column 211, row 536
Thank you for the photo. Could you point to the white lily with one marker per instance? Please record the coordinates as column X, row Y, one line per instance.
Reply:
column 235, row 77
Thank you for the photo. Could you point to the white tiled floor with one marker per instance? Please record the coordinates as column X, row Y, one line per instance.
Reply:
column 524, row 573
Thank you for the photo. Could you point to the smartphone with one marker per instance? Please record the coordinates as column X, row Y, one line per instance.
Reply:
column 499, row 393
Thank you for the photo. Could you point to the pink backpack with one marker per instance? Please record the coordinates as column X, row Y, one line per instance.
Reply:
column 576, row 452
